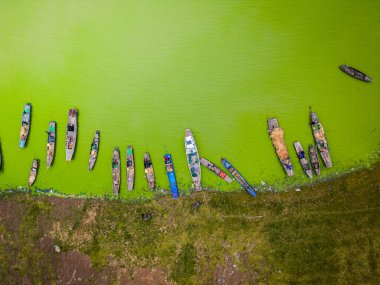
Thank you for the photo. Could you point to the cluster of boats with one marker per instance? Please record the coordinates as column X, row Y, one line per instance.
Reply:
column 277, row 136
column 194, row 161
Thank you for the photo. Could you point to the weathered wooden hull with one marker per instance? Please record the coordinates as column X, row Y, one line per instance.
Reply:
column 213, row 168
column 149, row 171
column 193, row 160
column 276, row 135
column 33, row 172
column 94, row 150
column 169, row 167
column 25, row 124
column 116, row 171
column 314, row 159
column 130, row 168
column 303, row 160
column 238, row 177
column 355, row 73
column 320, row 139
column 71, row 134
column 50, row 147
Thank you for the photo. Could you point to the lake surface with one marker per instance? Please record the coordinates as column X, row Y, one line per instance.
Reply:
column 143, row 71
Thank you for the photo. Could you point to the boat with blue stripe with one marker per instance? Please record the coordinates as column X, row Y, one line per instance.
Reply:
column 238, row 177
column 171, row 174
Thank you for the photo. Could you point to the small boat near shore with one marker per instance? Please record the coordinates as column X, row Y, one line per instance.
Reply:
column 320, row 139
column 303, row 160
column 238, row 177
column 116, row 171
column 314, row 159
column 213, row 168
column 277, row 136
column 25, row 124
column 149, row 171
column 94, row 150
column 33, row 172
column 50, row 147
column 130, row 168
column 355, row 73
column 71, row 133
column 169, row 167
column 193, row 162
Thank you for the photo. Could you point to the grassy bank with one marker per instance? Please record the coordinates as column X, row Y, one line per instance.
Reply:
column 326, row 233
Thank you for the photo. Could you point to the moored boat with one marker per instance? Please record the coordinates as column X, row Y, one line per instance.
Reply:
column 355, row 73
column 25, row 124
column 1, row 159
column 213, row 168
column 130, row 168
column 193, row 162
column 33, row 172
column 320, row 139
column 314, row 159
column 169, row 167
column 71, row 133
column 303, row 160
column 94, row 150
column 116, row 171
column 149, row 171
column 50, row 147
column 277, row 136
column 238, row 177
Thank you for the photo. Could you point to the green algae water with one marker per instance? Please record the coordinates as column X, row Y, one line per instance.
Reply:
column 142, row 72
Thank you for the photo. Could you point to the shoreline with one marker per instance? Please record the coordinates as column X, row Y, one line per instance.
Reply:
column 279, row 237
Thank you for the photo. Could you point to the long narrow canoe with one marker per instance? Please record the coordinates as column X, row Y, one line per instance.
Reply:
column 33, row 172
column 193, row 161
column 130, row 168
column 94, row 150
column 238, row 177
column 149, row 171
column 213, row 168
column 50, row 146
column 25, row 124
column 355, row 73
column 314, row 159
column 320, row 139
column 303, row 160
column 1, row 159
column 71, row 133
column 169, row 167
column 116, row 171
column 277, row 136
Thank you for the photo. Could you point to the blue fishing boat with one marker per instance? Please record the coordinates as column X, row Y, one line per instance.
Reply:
column 171, row 174
column 25, row 124
column 239, row 178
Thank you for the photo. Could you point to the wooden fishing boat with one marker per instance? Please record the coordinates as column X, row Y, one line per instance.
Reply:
column 238, row 177
column 149, row 172
column 1, row 159
column 116, row 171
column 193, row 159
column 25, row 124
column 213, row 168
column 355, row 73
column 33, row 172
column 50, row 147
column 320, row 139
column 303, row 160
column 71, row 133
column 277, row 136
column 94, row 150
column 130, row 168
column 169, row 167
column 314, row 159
